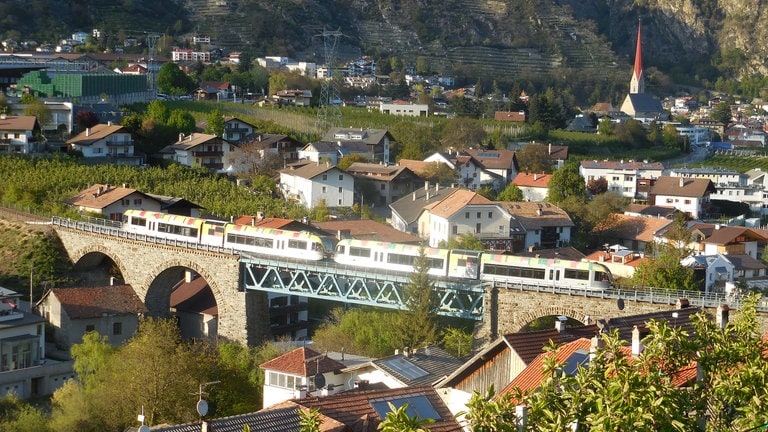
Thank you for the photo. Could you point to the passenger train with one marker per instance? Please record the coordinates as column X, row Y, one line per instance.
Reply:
column 478, row 265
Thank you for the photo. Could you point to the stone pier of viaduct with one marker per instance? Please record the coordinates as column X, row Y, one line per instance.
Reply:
column 153, row 270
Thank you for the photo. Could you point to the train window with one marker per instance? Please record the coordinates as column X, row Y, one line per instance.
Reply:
column 436, row 263
column 576, row 274
column 400, row 259
column 341, row 249
column 215, row 230
column 177, row 230
column 138, row 221
column 359, row 252
column 250, row 241
column 297, row 244
column 600, row 276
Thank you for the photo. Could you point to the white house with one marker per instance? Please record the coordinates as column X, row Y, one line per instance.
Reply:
column 309, row 183
column 299, row 372
column 622, row 176
column 403, row 108
column 534, row 186
column 470, row 172
column 717, row 270
column 103, row 140
column 689, row 195
column 546, row 225
column 18, row 134
column 200, row 150
column 235, row 129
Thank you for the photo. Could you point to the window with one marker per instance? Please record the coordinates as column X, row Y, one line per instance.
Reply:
column 324, row 189
column 341, row 189
column 477, row 228
column 383, row 186
column 466, row 215
column 455, row 230
column 359, row 252
column 339, row 201
column 687, row 201
column 117, row 328
column 341, row 177
column 90, row 327
column 490, row 215
column 137, row 201
column 615, row 178
column 177, row 230
column 325, row 176
column 669, row 200
column 479, row 215
column 297, row 244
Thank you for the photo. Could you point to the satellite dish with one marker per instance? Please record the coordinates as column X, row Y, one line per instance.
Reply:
column 202, row 407
column 620, row 304
column 144, row 428
column 319, row 380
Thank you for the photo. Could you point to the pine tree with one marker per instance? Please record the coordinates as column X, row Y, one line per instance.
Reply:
column 418, row 324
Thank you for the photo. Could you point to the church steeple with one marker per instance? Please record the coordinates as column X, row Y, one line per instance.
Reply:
column 637, row 85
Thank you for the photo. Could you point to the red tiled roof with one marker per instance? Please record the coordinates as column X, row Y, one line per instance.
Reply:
column 682, row 186
column 99, row 196
column 195, row 296
column 92, row 302
column 96, row 133
column 354, row 408
column 303, row 362
column 455, row 202
column 501, row 159
column 532, row 180
column 18, row 123
column 367, row 229
column 627, row 227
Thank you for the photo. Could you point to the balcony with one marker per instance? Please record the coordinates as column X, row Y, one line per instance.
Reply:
column 213, row 153
column 119, row 143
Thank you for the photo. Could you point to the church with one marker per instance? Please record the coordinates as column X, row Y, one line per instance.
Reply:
column 638, row 104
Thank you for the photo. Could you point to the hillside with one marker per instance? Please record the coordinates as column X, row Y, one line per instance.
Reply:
column 499, row 39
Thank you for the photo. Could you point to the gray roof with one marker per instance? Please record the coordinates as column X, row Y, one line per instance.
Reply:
column 645, row 103
column 421, row 368
column 409, row 209
column 274, row 420
column 308, row 170
column 368, row 136
column 745, row 262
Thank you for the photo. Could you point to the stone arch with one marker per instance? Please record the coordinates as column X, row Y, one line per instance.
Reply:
column 524, row 318
column 160, row 275
column 96, row 248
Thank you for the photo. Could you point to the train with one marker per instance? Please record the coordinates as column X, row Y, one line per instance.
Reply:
column 396, row 257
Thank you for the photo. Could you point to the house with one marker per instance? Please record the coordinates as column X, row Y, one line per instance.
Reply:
column 183, row 54
column 638, row 104
column 112, row 201
column 620, row 260
column 623, row 177
column 651, row 211
column 194, row 307
column 309, row 183
column 713, row 270
column 463, row 212
column 212, row 90
column 730, row 185
column 366, row 229
column 260, row 146
column 470, row 172
column 403, row 108
column 546, row 225
column 293, row 97
column 363, row 409
column 378, row 141
column 630, row 231
column 407, row 210
column 409, row 368
column 298, row 373
column 200, row 150
column 332, row 152
column 728, row 240
column 534, row 186
column 19, row 134
column 689, row 195
column 510, row 116
column 388, row 182
column 113, row 311
column 267, row 420
column 236, row 130
column 500, row 162
column 103, row 140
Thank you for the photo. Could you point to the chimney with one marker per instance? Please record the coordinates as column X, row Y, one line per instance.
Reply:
column 682, row 182
column 427, row 198
column 109, row 123
column 100, row 191
column 560, row 323
column 721, row 319
column 530, row 248
column 181, row 137
column 414, row 196
column 535, row 176
column 596, row 344
column 538, row 210
column 637, row 347
column 112, row 281
column 549, row 149
column 87, row 131
column 406, row 353
column 587, row 320
column 426, row 185
column 188, row 276
column 125, row 185
column 682, row 303
column 437, row 187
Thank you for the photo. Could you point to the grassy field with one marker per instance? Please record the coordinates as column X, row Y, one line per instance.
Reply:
column 738, row 163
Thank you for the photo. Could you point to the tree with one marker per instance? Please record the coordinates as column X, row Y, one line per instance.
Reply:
column 457, row 342
column 534, row 158
column 85, row 119
column 181, row 121
column 215, row 124
column 631, row 133
column 466, row 241
column 566, row 182
column 310, row 420
column 349, row 159
column 172, row 80
column 597, row 186
column 39, row 110
column 398, row 420
column 158, row 111
column 721, row 112
column 439, row 173
column 459, row 133
column 417, row 325
column 510, row 193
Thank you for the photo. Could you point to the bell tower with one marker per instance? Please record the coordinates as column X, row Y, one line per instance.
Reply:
column 637, row 84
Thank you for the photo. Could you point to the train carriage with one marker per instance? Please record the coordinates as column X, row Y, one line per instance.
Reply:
column 389, row 256
column 541, row 271
column 163, row 225
column 269, row 241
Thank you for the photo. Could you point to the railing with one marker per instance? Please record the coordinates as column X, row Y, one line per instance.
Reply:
column 648, row 295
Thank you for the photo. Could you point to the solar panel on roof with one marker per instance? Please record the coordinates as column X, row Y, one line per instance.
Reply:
column 418, row 406
column 579, row 357
column 404, row 368
column 488, row 155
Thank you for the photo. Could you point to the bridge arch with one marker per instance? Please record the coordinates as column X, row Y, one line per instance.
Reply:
column 528, row 316
column 93, row 255
column 161, row 278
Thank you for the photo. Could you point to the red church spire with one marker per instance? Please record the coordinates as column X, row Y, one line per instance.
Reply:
column 637, row 85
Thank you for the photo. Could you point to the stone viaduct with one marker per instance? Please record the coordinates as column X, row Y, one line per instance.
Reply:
column 153, row 269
